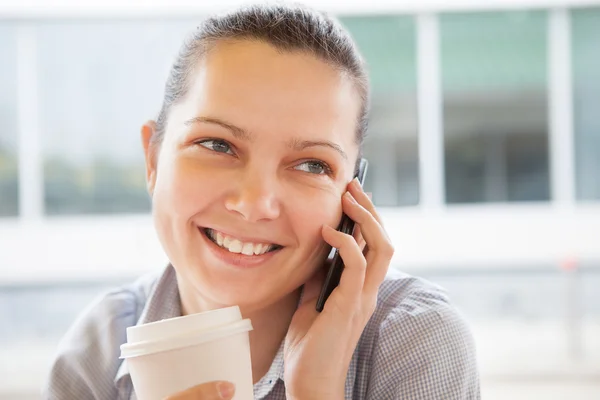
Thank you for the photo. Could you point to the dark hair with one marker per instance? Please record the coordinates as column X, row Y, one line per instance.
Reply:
column 286, row 27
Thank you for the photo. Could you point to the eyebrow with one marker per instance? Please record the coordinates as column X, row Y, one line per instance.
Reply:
column 242, row 134
column 236, row 131
column 299, row 145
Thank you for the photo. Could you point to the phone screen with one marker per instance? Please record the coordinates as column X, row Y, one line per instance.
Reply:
column 336, row 265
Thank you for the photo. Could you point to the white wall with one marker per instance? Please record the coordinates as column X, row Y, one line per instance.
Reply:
column 88, row 248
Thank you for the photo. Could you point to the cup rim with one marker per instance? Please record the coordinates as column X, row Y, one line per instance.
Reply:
column 176, row 326
column 189, row 338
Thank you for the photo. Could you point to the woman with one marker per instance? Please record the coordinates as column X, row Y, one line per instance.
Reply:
column 248, row 167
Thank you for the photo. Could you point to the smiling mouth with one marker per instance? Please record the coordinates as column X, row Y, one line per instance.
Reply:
column 236, row 246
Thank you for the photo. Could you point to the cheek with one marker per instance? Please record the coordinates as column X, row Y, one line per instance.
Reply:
column 310, row 213
column 181, row 187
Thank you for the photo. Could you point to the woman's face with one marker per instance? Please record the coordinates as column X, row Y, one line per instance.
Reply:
column 253, row 162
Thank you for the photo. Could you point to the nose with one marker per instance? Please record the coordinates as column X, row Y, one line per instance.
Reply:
column 254, row 197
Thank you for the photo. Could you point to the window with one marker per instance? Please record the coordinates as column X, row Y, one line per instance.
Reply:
column 388, row 45
column 586, row 102
column 99, row 82
column 9, row 178
column 494, row 83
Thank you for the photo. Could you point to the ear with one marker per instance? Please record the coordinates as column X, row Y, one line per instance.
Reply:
column 150, row 154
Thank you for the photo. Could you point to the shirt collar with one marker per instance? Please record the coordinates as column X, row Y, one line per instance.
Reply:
column 163, row 302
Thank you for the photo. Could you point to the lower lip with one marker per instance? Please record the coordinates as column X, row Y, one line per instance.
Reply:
column 238, row 260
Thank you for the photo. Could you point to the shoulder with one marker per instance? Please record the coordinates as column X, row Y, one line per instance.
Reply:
column 415, row 312
column 421, row 342
column 88, row 355
column 410, row 300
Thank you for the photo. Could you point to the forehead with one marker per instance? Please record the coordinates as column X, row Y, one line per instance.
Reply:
column 252, row 84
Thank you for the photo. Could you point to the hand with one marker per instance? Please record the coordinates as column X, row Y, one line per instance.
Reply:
column 217, row 390
column 319, row 346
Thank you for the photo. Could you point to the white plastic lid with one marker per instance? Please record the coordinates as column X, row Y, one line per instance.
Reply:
column 189, row 338
column 178, row 326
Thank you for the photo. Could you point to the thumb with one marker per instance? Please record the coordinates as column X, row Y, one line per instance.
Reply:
column 217, row 390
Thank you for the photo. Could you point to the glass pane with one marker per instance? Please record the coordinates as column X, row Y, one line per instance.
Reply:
column 99, row 82
column 9, row 178
column 388, row 45
column 494, row 84
column 586, row 90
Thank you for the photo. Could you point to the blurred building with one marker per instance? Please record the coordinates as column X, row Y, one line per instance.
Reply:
column 484, row 148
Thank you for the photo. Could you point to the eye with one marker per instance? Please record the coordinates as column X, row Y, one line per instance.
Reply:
column 314, row 167
column 216, row 145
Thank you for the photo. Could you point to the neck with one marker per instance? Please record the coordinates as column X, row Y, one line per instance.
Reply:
column 270, row 325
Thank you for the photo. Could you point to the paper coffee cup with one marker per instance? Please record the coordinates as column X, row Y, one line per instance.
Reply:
column 172, row 355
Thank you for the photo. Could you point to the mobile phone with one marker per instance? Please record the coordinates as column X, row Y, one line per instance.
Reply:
column 336, row 265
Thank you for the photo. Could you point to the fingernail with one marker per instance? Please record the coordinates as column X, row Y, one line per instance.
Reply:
column 225, row 389
column 349, row 197
column 356, row 184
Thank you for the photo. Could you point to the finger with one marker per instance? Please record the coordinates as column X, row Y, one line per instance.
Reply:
column 370, row 228
column 380, row 249
column 373, row 279
column 364, row 199
column 353, row 277
column 359, row 238
column 355, row 187
column 217, row 390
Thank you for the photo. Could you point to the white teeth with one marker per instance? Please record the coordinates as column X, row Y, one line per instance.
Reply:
column 248, row 249
column 236, row 246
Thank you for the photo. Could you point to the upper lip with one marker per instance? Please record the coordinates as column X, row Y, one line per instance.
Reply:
column 243, row 238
